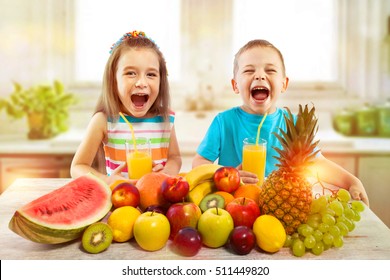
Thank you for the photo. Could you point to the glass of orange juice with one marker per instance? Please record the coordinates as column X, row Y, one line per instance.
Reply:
column 139, row 157
column 253, row 157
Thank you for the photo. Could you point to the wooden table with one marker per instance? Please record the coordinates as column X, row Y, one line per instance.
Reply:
column 369, row 240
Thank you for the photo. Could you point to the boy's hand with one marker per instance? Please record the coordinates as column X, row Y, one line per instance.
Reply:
column 247, row 177
column 358, row 192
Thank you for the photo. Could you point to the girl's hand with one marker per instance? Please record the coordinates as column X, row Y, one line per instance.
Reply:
column 116, row 175
column 157, row 167
column 247, row 177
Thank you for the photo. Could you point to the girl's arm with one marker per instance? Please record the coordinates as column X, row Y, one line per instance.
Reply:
column 332, row 173
column 86, row 152
column 173, row 164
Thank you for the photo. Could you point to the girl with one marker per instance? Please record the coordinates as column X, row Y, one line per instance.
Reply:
column 135, row 83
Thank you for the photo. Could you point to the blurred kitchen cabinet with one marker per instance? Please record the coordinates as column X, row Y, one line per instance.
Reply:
column 348, row 162
column 374, row 172
column 34, row 166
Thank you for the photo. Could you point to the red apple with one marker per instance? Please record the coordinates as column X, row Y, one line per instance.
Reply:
column 183, row 214
column 187, row 241
column 125, row 194
column 242, row 240
column 227, row 179
column 244, row 211
column 175, row 189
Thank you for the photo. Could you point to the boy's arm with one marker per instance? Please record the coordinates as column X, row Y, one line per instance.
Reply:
column 199, row 160
column 333, row 174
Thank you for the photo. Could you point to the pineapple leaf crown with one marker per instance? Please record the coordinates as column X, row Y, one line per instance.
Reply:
column 298, row 145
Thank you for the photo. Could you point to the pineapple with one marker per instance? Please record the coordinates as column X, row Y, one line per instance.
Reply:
column 287, row 194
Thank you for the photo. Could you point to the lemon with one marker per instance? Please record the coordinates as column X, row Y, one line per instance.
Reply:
column 122, row 221
column 270, row 233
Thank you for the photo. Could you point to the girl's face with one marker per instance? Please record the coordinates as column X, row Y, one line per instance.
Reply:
column 138, row 81
column 259, row 79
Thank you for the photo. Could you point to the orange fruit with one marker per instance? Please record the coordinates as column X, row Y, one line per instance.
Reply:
column 227, row 196
column 251, row 191
column 149, row 187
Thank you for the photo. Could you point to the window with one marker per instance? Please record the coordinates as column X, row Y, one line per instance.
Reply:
column 305, row 31
column 329, row 46
column 99, row 24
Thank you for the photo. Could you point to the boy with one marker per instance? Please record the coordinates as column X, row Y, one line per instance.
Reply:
column 259, row 78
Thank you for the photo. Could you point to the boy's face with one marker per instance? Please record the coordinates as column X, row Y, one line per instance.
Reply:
column 259, row 79
column 138, row 81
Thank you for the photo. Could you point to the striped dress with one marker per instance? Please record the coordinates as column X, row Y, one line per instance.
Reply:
column 155, row 129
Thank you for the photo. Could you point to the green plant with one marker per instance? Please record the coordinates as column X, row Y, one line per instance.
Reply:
column 46, row 106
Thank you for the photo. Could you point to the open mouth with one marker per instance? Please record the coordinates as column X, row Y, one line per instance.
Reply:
column 139, row 99
column 260, row 93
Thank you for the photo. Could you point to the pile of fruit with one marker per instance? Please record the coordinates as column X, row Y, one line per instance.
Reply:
column 161, row 208
column 208, row 206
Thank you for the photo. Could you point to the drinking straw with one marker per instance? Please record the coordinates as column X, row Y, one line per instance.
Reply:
column 131, row 129
column 259, row 127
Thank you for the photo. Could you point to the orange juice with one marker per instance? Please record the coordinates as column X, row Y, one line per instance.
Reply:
column 253, row 157
column 138, row 157
column 138, row 164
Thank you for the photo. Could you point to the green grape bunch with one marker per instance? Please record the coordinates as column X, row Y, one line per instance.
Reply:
column 331, row 218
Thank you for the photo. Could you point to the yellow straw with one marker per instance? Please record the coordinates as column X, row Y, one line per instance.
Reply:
column 131, row 129
column 259, row 127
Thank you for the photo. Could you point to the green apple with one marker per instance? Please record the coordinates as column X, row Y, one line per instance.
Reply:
column 151, row 231
column 215, row 225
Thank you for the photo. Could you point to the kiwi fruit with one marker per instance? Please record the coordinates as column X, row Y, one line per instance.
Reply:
column 97, row 237
column 211, row 201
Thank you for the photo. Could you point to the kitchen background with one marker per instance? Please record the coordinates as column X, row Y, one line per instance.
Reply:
column 337, row 55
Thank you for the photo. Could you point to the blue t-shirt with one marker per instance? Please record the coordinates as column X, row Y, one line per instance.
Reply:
column 224, row 138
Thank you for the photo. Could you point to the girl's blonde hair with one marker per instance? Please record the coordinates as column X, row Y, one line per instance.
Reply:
column 109, row 102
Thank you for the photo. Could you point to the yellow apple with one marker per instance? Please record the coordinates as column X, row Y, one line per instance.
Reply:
column 151, row 231
column 215, row 225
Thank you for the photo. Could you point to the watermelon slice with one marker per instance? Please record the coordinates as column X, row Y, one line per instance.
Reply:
column 63, row 214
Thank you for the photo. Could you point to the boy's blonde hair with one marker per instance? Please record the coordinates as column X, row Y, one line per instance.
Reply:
column 109, row 102
column 255, row 44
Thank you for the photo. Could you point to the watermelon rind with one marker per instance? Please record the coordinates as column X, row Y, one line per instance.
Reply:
column 72, row 208
column 40, row 234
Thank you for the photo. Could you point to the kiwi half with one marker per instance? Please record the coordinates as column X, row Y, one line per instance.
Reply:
column 212, row 201
column 97, row 238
